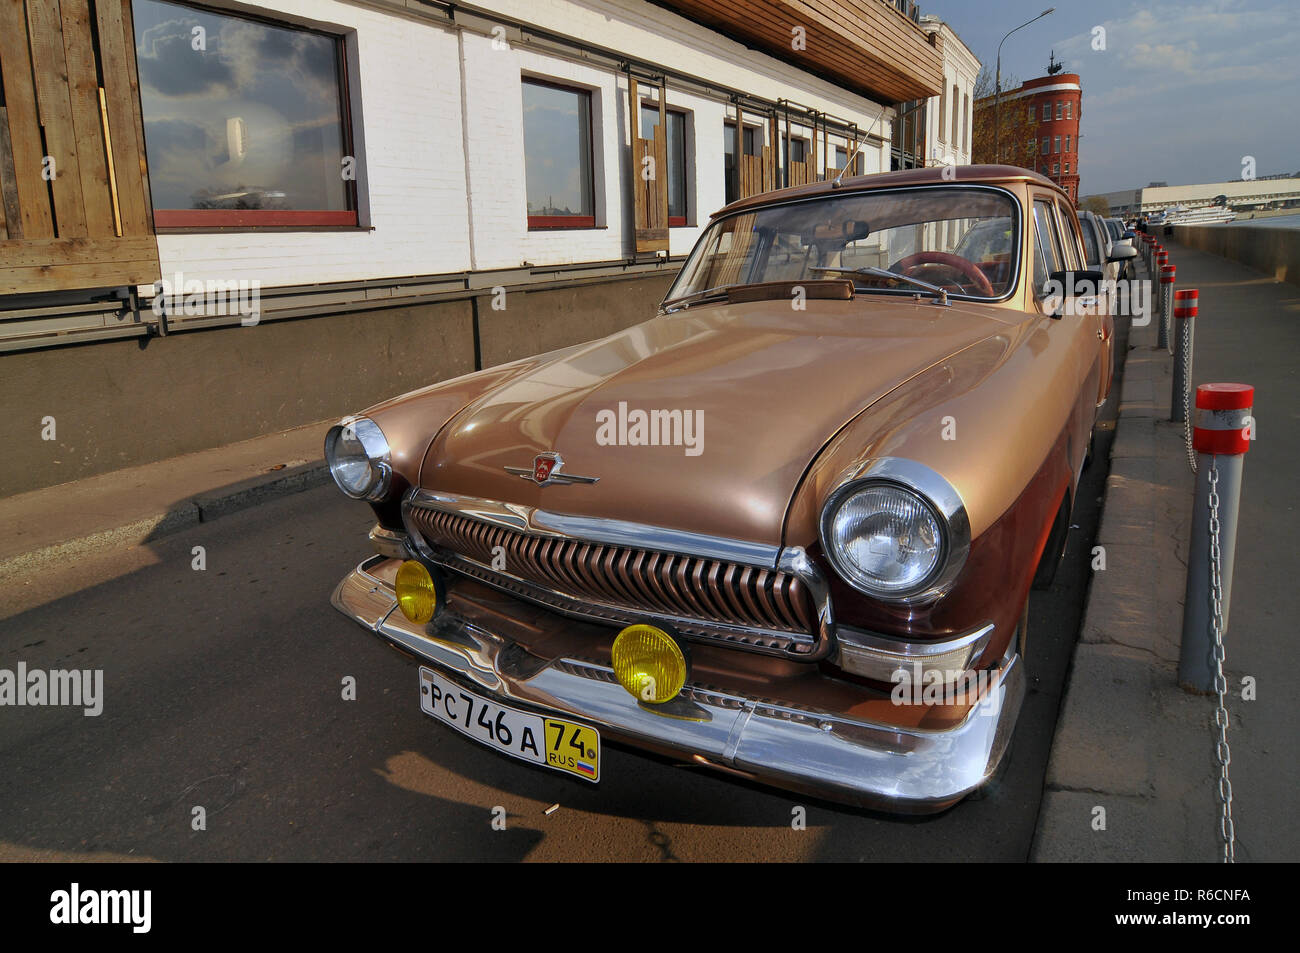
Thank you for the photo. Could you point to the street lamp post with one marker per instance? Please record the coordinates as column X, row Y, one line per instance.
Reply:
column 997, row 88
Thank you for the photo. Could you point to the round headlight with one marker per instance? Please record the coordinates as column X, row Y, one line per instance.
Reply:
column 885, row 539
column 359, row 458
column 897, row 531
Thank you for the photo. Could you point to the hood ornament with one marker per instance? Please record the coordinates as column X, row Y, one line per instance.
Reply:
column 546, row 470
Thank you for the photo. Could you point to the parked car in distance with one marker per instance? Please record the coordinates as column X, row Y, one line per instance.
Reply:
column 1101, row 252
column 788, row 527
column 1122, row 237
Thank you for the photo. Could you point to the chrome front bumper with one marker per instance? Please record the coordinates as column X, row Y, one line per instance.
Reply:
column 797, row 747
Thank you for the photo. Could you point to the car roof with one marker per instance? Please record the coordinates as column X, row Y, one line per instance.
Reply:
column 936, row 175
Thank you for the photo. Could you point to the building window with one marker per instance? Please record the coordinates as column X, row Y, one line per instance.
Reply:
column 250, row 131
column 1067, row 168
column 1056, row 143
column 751, row 146
column 1031, row 114
column 1060, row 108
column 798, row 150
column 1047, row 144
column 965, row 121
column 557, row 156
column 676, row 158
column 1067, row 143
column 1068, row 104
column 839, row 160
column 956, row 104
column 1047, row 111
column 1056, row 168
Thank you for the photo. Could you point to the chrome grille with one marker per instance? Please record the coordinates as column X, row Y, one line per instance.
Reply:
column 709, row 599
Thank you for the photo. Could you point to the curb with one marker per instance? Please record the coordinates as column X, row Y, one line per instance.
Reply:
column 203, row 508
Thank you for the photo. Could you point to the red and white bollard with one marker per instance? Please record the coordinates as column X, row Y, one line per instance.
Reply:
column 1222, row 435
column 1167, row 275
column 1186, row 303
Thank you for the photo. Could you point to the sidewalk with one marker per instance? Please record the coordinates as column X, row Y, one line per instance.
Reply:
column 1129, row 741
column 131, row 506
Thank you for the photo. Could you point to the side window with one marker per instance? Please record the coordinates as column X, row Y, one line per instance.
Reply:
column 1047, row 248
column 1089, row 242
column 1070, row 238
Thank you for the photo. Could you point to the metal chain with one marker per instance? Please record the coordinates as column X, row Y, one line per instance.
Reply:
column 1190, row 327
column 1167, row 305
column 1221, row 750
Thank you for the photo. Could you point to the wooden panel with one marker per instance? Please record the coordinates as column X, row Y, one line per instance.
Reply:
column 867, row 46
column 83, row 92
column 24, row 128
column 800, row 173
column 753, row 171
column 67, row 233
column 9, row 209
column 649, row 195
column 59, row 264
column 132, row 115
column 117, row 51
column 49, row 64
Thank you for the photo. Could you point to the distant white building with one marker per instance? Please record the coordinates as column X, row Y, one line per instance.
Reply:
column 949, row 116
column 1240, row 195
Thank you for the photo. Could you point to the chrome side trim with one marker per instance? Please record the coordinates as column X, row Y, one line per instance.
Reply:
column 390, row 543
column 529, row 519
column 827, row 753
column 882, row 658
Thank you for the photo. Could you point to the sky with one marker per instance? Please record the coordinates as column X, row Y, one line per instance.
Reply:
column 1182, row 93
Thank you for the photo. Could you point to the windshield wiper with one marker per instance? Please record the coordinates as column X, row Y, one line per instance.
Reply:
column 938, row 292
column 718, row 291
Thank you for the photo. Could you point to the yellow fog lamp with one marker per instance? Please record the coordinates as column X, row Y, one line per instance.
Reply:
column 417, row 592
column 649, row 664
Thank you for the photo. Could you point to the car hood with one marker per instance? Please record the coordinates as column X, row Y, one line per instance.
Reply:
column 760, row 388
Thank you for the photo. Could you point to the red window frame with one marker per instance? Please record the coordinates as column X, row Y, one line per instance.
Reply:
column 538, row 223
column 188, row 218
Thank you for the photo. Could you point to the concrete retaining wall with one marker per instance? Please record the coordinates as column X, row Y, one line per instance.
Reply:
column 122, row 403
column 1274, row 251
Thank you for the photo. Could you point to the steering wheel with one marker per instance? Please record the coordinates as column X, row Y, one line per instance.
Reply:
column 982, row 284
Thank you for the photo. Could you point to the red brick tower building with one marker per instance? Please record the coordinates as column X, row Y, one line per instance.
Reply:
column 1052, row 105
column 1056, row 102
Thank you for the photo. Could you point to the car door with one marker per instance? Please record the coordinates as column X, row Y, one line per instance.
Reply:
column 1070, row 322
column 1104, row 311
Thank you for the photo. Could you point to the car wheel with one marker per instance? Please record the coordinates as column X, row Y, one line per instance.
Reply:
column 1054, row 551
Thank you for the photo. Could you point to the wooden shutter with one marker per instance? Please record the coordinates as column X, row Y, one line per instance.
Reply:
column 649, row 194
column 90, row 224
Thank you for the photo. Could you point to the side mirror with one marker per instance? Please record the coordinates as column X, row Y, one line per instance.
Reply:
column 1122, row 253
column 1063, row 287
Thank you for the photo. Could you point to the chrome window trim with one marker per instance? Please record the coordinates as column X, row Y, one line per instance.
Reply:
column 942, row 498
column 1016, row 240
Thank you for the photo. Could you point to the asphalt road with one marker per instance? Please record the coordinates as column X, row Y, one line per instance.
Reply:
column 223, row 689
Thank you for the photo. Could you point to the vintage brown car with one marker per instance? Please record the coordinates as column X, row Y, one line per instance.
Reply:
column 787, row 527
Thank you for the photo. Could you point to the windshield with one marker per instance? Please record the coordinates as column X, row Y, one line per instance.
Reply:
column 960, row 238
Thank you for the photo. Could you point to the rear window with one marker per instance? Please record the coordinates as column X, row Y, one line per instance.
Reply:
column 1089, row 242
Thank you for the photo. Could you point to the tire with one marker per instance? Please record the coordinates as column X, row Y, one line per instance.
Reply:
column 1054, row 551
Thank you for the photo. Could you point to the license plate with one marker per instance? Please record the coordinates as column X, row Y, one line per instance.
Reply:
column 553, row 742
